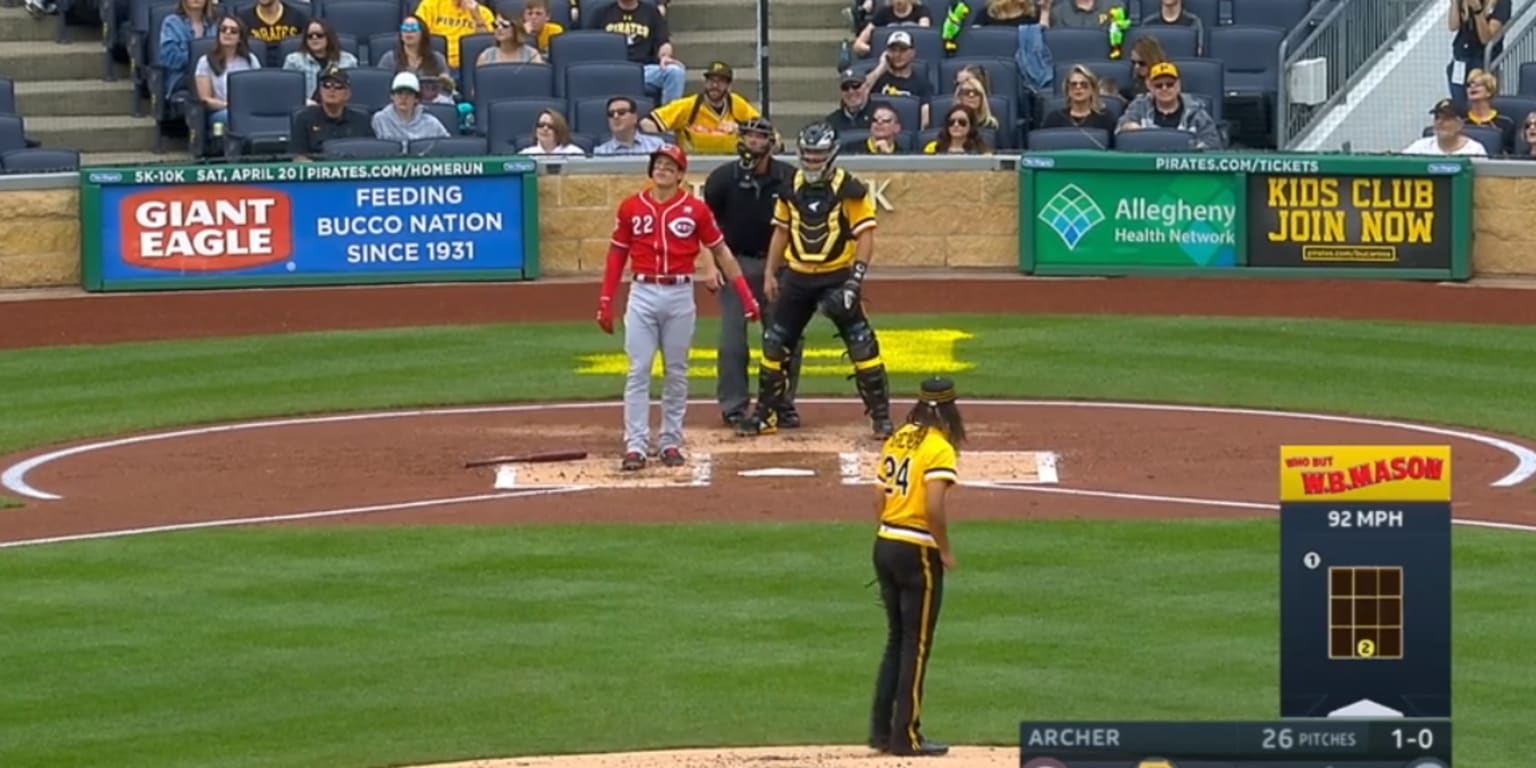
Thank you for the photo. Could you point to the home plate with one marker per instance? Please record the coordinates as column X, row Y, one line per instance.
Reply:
column 777, row 472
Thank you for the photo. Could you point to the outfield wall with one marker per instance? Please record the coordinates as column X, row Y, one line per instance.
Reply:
column 956, row 213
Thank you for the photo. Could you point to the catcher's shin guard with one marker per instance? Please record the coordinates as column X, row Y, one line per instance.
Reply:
column 875, row 391
column 772, row 386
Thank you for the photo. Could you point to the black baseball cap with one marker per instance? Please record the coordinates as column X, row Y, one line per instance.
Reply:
column 719, row 69
column 848, row 76
column 336, row 74
column 938, row 389
column 1447, row 108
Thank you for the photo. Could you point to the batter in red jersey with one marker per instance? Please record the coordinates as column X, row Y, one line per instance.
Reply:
column 660, row 232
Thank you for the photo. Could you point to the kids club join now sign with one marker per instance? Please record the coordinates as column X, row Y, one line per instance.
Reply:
column 406, row 220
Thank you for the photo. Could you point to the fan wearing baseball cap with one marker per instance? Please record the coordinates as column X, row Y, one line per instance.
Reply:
column 1165, row 105
column 705, row 123
column 1448, row 138
column 405, row 119
column 897, row 75
column 896, row 13
column 332, row 118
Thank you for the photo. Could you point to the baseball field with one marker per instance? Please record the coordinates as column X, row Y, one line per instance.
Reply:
column 237, row 529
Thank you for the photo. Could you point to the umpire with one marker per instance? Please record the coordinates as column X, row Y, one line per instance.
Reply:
column 742, row 196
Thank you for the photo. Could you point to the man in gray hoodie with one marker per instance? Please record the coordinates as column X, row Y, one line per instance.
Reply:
column 406, row 119
column 1165, row 105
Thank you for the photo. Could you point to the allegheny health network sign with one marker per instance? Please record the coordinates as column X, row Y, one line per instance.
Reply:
column 1114, row 213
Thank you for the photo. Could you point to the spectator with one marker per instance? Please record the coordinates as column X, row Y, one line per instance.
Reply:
column 332, row 118
column 1525, row 145
column 453, row 20
column 1013, row 13
column 321, row 51
column 973, row 72
column 538, row 26
column 1482, row 86
column 959, row 136
column 1473, row 23
column 191, row 21
column 413, row 53
column 1448, row 138
column 552, row 136
column 1085, row 106
column 1083, row 14
column 624, row 128
column 973, row 94
column 897, row 75
column 405, row 119
column 897, row 13
column 272, row 22
column 705, row 123
column 437, row 90
column 1172, row 14
column 883, row 132
column 232, row 54
column 1166, row 106
column 650, row 43
column 854, row 112
column 1146, row 52
column 511, row 42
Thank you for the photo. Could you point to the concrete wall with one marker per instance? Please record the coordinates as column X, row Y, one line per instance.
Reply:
column 964, row 215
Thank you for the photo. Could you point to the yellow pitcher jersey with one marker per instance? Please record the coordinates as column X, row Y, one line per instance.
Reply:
column 910, row 458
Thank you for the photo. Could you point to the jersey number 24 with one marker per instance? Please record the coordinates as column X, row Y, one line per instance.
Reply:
column 895, row 477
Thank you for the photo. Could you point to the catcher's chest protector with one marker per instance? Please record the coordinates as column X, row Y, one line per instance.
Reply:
column 819, row 230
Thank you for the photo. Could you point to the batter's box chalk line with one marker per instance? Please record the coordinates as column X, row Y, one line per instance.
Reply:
column 851, row 467
column 701, row 473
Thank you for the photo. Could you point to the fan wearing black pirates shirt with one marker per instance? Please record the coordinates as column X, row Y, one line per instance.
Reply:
column 824, row 234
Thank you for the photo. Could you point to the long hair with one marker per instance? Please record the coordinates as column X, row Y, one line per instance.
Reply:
column 332, row 42
column 424, row 50
column 944, row 417
column 220, row 58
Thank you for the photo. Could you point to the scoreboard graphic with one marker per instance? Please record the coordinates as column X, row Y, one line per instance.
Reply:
column 1365, row 612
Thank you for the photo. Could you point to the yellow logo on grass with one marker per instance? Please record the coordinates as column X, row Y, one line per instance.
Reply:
column 922, row 351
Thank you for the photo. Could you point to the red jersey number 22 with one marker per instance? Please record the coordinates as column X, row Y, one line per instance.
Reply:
column 642, row 225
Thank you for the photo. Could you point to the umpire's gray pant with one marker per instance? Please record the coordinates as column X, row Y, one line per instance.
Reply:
column 734, row 370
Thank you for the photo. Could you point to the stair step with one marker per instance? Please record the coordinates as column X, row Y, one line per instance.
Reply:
column 122, row 133
column 792, row 83
column 714, row 15
column 16, row 25
column 26, row 61
column 58, row 98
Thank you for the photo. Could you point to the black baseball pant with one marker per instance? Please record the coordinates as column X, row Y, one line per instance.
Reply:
column 800, row 296
column 911, row 581
column 733, row 367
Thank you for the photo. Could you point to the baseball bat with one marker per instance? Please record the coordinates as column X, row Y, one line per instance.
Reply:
column 528, row 458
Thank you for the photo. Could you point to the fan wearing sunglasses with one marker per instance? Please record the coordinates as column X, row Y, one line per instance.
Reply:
column 321, row 51
column 552, row 136
column 453, row 20
column 1085, row 106
column 272, row 22
column 959, row 136
column 1167, row 106
column 414, row 52
column 232, row 54
column 512, row 42
column 1525, row 143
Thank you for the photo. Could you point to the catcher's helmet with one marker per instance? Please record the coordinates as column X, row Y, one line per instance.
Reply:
column 817, row 149
column 671, row 152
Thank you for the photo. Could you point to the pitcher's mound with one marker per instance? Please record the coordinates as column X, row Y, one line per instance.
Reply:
column 758, row 757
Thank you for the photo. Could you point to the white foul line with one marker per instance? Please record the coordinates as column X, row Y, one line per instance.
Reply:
column 1206, row 502
column 324, row 513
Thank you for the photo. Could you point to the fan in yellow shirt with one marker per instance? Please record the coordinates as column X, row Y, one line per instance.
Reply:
column 536, row 22
column 455, row 20
column 705, row 123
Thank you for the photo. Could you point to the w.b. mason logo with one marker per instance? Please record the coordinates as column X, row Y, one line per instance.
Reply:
column 1071, row 214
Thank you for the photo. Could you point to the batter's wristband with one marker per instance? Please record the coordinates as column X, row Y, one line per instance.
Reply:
column 859, row 268
column 742, row 289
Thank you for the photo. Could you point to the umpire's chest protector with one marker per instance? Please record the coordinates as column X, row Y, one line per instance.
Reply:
column 819, row 230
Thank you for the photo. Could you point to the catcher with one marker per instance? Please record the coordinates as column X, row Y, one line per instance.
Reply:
column 824, row 233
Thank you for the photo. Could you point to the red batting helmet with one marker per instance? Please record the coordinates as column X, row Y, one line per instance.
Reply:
column 672, row 151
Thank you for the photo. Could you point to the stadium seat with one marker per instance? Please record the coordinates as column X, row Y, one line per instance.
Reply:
column 1517, row 107
column 447, row 114
column 145, row 18
column 513, row 81
column 370, row 87
column 1055, row 139
column 927, row 41
column 1002, row 76
column 576, row 46
column 1072, row 45
column 1251, row 58
column 1114, row 107
column 993, row 42
column 470, row 47
column 261, row 104
column 1492, row 139
column 40, row 160
column 505, row 120
column 7, row 96
column 1527, row 79
column 13, row 133
column 602, row 78
column 363, row 19
column 1155, row 140
column 1208, row 11
column 1284, row 14
column 1178, row 42
column 590, row 115
column 1205, row 78
column 457, row 146
column 361, row 149
column 149, row 73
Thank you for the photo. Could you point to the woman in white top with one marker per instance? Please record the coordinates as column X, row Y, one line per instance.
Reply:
column 552, row 136
column 321, row 49
column 511, row 42
column 232, row 54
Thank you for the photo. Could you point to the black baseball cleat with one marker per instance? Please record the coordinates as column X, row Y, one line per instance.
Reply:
column 925, row 748
column 632, row 461
column 752, row 426
column 789, row 419
column 883, row 428
column 672, row 457
column 733, row 418
column 880, row 744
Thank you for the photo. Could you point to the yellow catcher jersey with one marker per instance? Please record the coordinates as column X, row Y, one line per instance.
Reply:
column 822, row 221
column 910, row 458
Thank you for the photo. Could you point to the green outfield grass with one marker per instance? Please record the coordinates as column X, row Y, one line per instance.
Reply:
column 356, row 647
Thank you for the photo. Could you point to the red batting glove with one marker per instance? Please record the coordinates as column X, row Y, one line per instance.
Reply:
column 605, row 314
column 748, row 301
